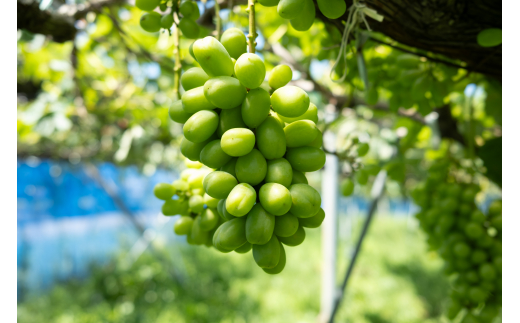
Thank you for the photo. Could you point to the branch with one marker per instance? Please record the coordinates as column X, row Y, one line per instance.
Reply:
column 252, row 26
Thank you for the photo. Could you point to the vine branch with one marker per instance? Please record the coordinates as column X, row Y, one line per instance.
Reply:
column 218, row 21
column 178, row 65
column 252, row 26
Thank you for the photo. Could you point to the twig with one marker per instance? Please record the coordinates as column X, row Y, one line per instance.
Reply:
column 218, row 20
column 252, row 26
column 178, row 65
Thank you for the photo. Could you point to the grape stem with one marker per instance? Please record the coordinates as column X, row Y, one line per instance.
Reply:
column 178, row 65
column 218, row 22
column 252, row 26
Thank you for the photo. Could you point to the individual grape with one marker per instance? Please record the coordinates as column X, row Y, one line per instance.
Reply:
column 300, row 133
column 244, row 249
column 251, row 168
column 211, row 202
column 495, row 208
column 496, row 222
column 194, row 101
column 213, row 156
column 213, row 57
column 183, row 225
column 189, row 28
column 224, row 214
column 256, row 107
column 306, row 159
column 271, row 139
column 224, row 92
column 477, row 295
column 230, row 235
column 286, row 225
column 259, row 225
column 362, row 177
column 310, row 114
column 362, row 149
column 219, row 184
column 490, row 37
column 175, row 207
column 280, row 76
column 314, row 221
column 192, row 54
column 191, row 150
column 193, row 78
column 195, row 12
column 198, row 236
column 186, row 7
column 192, row 164
column 294, row 240
column 241, row 200
column 468, row 195
column 268, row 254
column 238, row 141
column 477, row 216
column 497, row 262
column 289, row 9
column 474, row 230
column 250, row 70
column 164, row 191
column 147, row 5
column 276, row 116
column 181, row 185
column 472, row 276
column 200, row 126
column 347, row 187
column 306, row 201
column 230, row 167
column 449, row 204
column 167, row 21
column 487, row 271
column 269, row 3
column 265, row 86
column 305, row 19
column 196, row 203
column 279, row 171
column 177, row 112
column 478, row 256
column 230, row 119
column 196, row 179
column 461, row 249
column 290, row 101
column 275, row 198
column 208, row 219
column 298, row 178
column 151, row 22
column 332, row 9
column 281, row 263
column 235, row 42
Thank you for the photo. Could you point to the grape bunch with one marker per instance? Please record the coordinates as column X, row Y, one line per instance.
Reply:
column 259, row 145
column 152, row 21
column 359, row 174
column 468, row 240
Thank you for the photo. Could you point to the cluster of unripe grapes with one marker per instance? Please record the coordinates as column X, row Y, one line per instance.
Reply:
column 301, row 13
column 360, row 175
column 153, row 21
column 467, row 239
column 259, row 144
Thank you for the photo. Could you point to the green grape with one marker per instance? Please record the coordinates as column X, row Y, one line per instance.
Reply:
column 196, row 179
column 241, row 200
column 495, row 208
column 191, row 150
column 265, row 86
column 192, row 54
column 275, row 198
column 478, row 256
column 485, row 242
column 200, row 126
column 472, row 276
column 306, row 201
column 219, row 184
column 490, row 37
column 314, row 221
column 300, row 133
column 175, row 207
column 177, row 112
column 230, row 235
column 259, row 225
column 183, row 225
column 164, row 191
column 213, row 57
column 449, row 205
column 193, row 78
column 290, row 101
column 461, row 249
column 151, row 22
column 251, row 168
column 234, row 41
column 305, row 19
column 194, row 101
column 186, row 7
column 468, row 195
column 306, row 159
column 268, row 254
column 362, row 149
column 281, row 263
column 362, row 177
column 477, row 216
column 208, row 219
column 474, row 230
column 496, row 222
column 225, row 92
column 477, row 295
column 279, row 171
column 310, row 114
column 230, row 119
column 487, row 271
column 250, row 70
column 347, row 187
column 445, row 222
column 244, row 249
column 278, row 119
column 286, row 225
column 192, row 164
column 318, row 141
column 198, row 236
column 167, row 21
column 269, row 3
column 230, row 167
column 147, row 5
column 298, row 177
column 497, row 262
column 256, row 107
column 195, row 12
column 453, row 309
column 289, row 9
column 271, row 139
column 238, row 142
column 196, row 203
column 294, row 240
column 213, row 156
column 332, row 9
column 224, row 214
column 210, row 201
column 181, row 185
column 280, row 76
column 189, row 28
column 163, row 6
